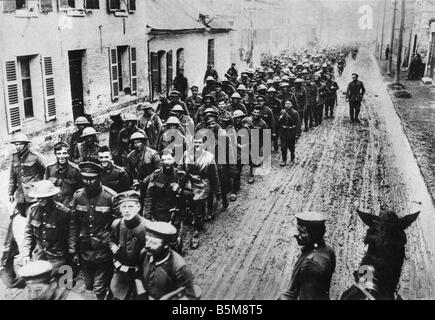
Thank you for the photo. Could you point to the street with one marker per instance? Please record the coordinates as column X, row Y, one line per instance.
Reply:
column 248, row 251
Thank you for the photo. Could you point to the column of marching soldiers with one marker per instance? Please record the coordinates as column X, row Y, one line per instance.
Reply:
column 116, row 212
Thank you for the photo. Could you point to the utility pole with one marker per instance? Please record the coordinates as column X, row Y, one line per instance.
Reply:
column 399, row 47
column 383, row 30
column 390, row 62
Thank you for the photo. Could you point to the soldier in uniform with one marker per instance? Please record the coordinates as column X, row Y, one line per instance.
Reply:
column 64, row 174
column 301, row 96
column 289, row 131
column 172, row 137
column 275, row 105
column 193, row 102
column 236, row 103
column 208, row 102
column 115, row 128
column 331, row 96
column 175, row 99
column 81, row 123
column 227, row 87
column 181, row 84
column 131, row 126
column 165, row 274
column 41, row 285
column 90, row 228
column 311, row 104
column 222, row 112
column 46, row 233
column 185, row 120
column 26, row 168
column 321, row 96
column 354, row 95
column 312, row 273
column 141, row 163
column 151, row 123
column 168, row 189
column 209, row 88
column 201, row 168
column 88, row 149
column 220, row 94
column 127, row 242
column 113, row 176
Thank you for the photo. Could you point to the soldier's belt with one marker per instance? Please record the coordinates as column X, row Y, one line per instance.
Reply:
column 123, row 268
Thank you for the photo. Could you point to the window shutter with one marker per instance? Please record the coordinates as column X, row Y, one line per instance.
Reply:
column 46, row 6
column 12, row 96
column 113, row 5
column 114, row 82
column 133, row 70
column 169, row 70
column 131, row 5
column 9, row 5
column 48, row 88
column 155, row 72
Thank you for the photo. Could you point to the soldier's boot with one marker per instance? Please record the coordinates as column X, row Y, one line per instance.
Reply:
column 293, row 156
column 232, row 197
column 194, row 243
column 225, row 203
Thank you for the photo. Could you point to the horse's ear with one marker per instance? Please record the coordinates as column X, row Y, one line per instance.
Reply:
column 367, row 217
column 406, row 221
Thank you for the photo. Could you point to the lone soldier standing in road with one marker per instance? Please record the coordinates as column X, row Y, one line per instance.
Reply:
column 127, row 241
column 165, row 274
column 354, row 95
column 331, row 96
column 64, row 174
column 90, row 229
column 26, row 168
column 312, row 273
column 289, row 127
column 46, row 233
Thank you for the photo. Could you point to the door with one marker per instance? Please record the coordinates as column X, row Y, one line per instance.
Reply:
column 76, row 80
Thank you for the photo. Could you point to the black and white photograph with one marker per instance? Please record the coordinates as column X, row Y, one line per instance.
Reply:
column 219, row 150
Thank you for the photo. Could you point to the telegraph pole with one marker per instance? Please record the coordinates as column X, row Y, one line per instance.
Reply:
column 383, row 30
column 390, row 62
column 399, row 47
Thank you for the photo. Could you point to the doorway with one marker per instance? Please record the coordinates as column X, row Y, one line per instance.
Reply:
column 75, row 59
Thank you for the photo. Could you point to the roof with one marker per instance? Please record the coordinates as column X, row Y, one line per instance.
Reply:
column 167, row 15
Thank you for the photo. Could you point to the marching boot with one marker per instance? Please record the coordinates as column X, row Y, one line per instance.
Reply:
column 225, row 203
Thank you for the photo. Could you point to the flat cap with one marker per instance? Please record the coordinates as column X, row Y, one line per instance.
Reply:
column 127, row 196
column 36, row 271
column 161, row 230
column 90, row 169
column 311, row 216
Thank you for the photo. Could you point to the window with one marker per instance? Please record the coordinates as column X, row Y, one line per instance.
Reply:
column 92, row 4
column 161, row 83
column 123, row 69
column 26, row 84
column 180, row 59
column 113, row 5
column 210, row 51
column 21, row 4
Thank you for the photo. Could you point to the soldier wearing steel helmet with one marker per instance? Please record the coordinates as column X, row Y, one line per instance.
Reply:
column 26, row 168
column 46, row 232
column 151, row 123
column 209, row 87
column 131, row 126
column 312, row 273
column 81, row 123
column 172, row 136
column 236, row 103
column 185, row 120
column 88, row 149
column 175, row 99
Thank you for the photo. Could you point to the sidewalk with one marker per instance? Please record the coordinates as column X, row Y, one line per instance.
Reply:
column 417, row 115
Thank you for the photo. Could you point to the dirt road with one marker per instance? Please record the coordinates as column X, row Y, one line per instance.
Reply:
column 248, row 252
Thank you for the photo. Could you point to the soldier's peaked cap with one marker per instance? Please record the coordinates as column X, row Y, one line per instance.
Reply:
column 90, row 169
column 161, row 230
column 311, row 217
column 127, row 196
column 36, row 271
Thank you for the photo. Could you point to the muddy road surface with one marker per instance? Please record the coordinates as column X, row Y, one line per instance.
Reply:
column 248, row 251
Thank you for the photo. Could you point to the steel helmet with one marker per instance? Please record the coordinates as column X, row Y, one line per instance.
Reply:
column 238, row 114
column 299, row 80
column 174, row 93
column 20, row 137
column 270, row 81
column 44, row 189
column 89, row 132
column 271, row 89
column 241, row 87
column 262, row 87
column 324, row 65
column 285, row 78
column 138, row 136
column 173, row 120
column 209, row 78
column 284, row 84
column 130, row 117
column 276, row 79
column 81, row 120
column 236, row 95
column 115, row 113
column 177, row 108
column 210, row 111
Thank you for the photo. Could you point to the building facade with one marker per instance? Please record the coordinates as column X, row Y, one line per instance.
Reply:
column 61, row 59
